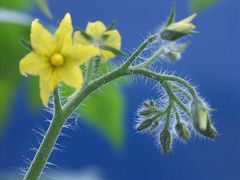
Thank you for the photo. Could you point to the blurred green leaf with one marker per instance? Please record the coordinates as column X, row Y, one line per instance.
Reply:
column 104, row 109
column 43, row 6
column 6, row 91
column 16, row 4
column 34, row 93
column 11, row 53
column 199, row 5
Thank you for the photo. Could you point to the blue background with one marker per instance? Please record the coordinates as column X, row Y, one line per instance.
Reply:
column 212, row 62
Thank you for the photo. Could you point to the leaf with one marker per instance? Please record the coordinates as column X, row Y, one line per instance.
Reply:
column 34, row 93
column 16, row 4
column 199, row 5
column 43, row 6
column 104, row 110
column 6, row 91
column 11, row 53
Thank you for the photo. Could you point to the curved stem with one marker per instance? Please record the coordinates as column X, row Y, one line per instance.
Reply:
column 182, row 91
column 150, row 61
column 160, row 78
column 91, row 69
column 57, row 101
column 139, row 50
column 175, row 99
column 62, row 114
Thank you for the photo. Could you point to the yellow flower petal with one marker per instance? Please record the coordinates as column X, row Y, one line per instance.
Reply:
column 72, row 76
column 33, row 64
column 42, row 41
column 114, row 39
column 181, row 27
column 106, row 56
column 79, row 54
column 189, row 19
column 78, row 38
column 63, row 34
column 95, row 29
column 45, row 92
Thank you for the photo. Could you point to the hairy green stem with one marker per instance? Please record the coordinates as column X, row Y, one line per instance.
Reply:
column 139, row 50
column 91, row 69
column 175, row 99
column 151, row 60
column 57, row 101
column 45, row 148
column 62, row 113
column 182, row 91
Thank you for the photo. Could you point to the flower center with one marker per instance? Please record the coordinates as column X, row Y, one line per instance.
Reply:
column 57, row 60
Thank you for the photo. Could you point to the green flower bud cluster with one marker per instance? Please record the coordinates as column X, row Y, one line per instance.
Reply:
column 170, row 120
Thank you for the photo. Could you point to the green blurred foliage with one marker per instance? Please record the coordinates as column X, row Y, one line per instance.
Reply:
column 11, row 53
column 199, row 5
column 16, row 4
column 104, row 109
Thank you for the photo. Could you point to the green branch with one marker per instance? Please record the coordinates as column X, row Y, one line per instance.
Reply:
column 62, row 114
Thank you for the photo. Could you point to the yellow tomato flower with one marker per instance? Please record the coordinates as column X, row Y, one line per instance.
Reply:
column 100, row 37
column 55, row 58
column 185, row 26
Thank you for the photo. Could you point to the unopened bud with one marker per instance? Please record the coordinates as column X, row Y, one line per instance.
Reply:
column 210, row 132
column 179, row 29
column 166, row 141
column 199, row 114
column 182, row 131
column 201, row 120
column 144, row 125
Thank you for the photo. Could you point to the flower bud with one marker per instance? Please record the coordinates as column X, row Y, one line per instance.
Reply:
column 179, row 29
column 201, row 120
column 199, row 114
column 173, row 52
column 144, row 124
column 210, row 132
column 166, row 141
column 182, row 131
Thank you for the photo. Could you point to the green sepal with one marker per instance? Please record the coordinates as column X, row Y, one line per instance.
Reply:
column 85, row 35
column 110, row 27
column 172, row 15
column 113, row 50
column 26, row 44
column 105, row 37
column 171, row 35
